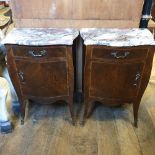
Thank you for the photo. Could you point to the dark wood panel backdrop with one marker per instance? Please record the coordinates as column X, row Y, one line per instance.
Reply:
column 73, row 13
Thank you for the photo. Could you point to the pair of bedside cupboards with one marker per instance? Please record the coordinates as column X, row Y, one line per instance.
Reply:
column 116, row 71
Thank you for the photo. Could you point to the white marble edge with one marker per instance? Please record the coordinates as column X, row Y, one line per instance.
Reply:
column 41, row 36
column 117, row 37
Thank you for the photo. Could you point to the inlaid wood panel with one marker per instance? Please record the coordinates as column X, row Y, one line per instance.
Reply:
column 114, row 81
column 50, row 52
column 45, row 78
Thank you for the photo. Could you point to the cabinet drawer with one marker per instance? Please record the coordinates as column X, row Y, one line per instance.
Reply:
column 39, row 52
column 112, row 54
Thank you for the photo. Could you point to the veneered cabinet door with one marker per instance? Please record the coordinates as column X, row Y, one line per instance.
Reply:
column 114, row 80
column 43, row 79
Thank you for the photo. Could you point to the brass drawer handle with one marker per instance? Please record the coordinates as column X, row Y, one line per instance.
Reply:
column 115, row 55
column 37, row 54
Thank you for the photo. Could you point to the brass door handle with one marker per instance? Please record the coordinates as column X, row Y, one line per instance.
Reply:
column 21, row 76
column 137, row 77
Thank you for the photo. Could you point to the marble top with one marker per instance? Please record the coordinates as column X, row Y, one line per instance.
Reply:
column 41, row 36
column 117, row 37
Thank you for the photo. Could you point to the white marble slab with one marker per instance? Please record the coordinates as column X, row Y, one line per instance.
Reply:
column 117, row 37
column 41, row 36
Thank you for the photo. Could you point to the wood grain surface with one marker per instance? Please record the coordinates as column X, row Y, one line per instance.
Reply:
column 48, row 23
column 73, row 13
column 109, row 131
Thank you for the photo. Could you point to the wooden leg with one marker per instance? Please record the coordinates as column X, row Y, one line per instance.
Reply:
column 70, row 103
column 90, row 109
column 23, row 110
column 86, row 111
column 135, row 112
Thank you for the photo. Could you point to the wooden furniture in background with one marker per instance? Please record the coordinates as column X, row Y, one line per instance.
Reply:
column 73, row 13
column 116, row 71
